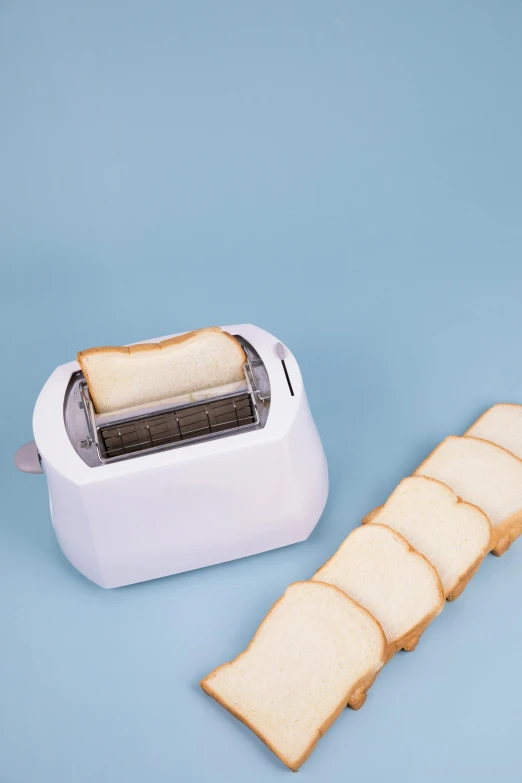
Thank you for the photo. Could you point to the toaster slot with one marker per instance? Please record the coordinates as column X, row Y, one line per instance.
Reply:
column 101, row 439
column 184, row 424
column 231, row 413
column 138, row 435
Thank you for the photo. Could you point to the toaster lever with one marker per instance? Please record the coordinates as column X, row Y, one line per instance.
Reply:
column 27, row 458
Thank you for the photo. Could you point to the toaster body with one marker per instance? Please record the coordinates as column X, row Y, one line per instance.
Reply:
column 125, row 515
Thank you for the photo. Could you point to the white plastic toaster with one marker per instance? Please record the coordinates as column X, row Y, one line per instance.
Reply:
column 170, row 488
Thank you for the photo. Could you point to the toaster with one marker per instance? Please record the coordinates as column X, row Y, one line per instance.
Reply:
column 186, row 483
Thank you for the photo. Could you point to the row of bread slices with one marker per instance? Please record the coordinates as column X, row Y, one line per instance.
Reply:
column 323, row 643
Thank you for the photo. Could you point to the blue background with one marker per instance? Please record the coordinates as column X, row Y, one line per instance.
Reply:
column 346, row 175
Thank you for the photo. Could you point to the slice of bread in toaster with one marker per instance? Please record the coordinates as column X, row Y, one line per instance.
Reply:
column 486, row 475
column 501, row 424
column 379, row 569
column 122, row 377
column 314, row 650
column 453, row 535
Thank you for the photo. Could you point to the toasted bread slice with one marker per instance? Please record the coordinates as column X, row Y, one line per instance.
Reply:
column 486, row 475
column 377, row 567
column 453, row 535
column 312, row 653
column 124, row 377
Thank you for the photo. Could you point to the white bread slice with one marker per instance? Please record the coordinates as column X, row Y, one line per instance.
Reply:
column 501, row 424
column 379, row 569
column 313, row 651
column 486, row 475
column 453, row 535
column 123, row 377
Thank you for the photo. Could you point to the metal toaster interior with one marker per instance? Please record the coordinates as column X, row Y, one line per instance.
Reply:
column 102, row 439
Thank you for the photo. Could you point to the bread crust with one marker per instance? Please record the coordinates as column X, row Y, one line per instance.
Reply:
column 408, row 641
column 139, row 347
column 360, row 691
column 458, row 588
column 511, row 528
column 145, row 348
column 372, row 514
column 507, row 531
column 361, row 686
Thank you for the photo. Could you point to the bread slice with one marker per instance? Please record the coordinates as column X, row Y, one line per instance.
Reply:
column 501, row 424
column 453, row 535
column 123, row 377
column 379, row 569
column 486, row 475
column 314, row 650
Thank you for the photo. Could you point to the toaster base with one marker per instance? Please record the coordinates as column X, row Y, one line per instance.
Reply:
column 167, row 521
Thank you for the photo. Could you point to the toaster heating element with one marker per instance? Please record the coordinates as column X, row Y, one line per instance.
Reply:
column 183, row 483
column 99, row 439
